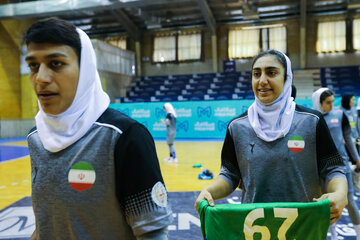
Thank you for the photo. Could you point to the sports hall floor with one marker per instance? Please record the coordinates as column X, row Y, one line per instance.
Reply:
column 17, row 220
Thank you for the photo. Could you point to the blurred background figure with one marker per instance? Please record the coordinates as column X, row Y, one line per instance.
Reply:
column 340, row 130
column 170, row 122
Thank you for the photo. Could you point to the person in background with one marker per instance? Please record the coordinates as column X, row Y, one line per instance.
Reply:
column 170, row 122
column 279, row 151
column 94, row 171
column 347, row 105
column 338, row 123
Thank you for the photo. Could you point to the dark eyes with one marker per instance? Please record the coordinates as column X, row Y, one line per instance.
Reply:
column 270, row 73
column 56, row 64
column 52, row 64
column 33, row 66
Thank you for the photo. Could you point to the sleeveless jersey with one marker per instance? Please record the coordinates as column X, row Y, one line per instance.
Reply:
column 265, row 221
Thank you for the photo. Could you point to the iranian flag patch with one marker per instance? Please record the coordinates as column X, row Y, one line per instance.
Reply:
column 81, row 176
column 334, row 121
column 296, row 144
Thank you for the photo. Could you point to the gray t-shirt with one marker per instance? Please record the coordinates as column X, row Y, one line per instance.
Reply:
column 290, row 169
column 340, row 130
column 352, row 117
column 107, row 185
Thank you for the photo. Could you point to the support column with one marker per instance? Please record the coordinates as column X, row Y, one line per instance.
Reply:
column 214, row 53
column 138, row 58
column 303, row 34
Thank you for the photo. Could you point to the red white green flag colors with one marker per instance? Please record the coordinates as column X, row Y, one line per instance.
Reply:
column 81, row 176
column 296, row 144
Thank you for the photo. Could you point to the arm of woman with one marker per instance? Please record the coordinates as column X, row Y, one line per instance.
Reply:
column 217, row 190
column 229, row 176
column 336, row 189
column 331, row 169
column 348, row 141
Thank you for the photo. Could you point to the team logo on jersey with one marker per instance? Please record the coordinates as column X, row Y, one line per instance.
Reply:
column 81, row 176
column 159, row 195
column 334, row 121
column 296, row 144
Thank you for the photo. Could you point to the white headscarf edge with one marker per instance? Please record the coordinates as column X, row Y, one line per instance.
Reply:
column 90, row 101
column 315, row 97
column 170, row 109
column 277, row 115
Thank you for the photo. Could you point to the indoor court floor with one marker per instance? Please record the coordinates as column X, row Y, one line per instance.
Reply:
column 181, row 179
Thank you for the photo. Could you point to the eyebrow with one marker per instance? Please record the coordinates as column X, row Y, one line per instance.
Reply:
column 267, row 68
column 53, row 55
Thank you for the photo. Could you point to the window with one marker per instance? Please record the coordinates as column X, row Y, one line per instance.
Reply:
column 356, row 34
column 177, row 47
column 277, row 38
column 164, row 49
column 246, row 42
column 243, row 43
column 331, row 37
column 189, row 47
column 120, row 43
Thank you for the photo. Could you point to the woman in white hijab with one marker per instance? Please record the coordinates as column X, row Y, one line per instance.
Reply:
column 170, row 123
column 275, row 151
column 91, row 165
column 340, row 129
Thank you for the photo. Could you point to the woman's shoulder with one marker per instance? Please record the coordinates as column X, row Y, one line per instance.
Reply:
column 116, row 118
column 307, row 111
column 241, row 118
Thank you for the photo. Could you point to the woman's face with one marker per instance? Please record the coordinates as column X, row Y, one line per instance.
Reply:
column 327, row 104
column 267, row 78
column 352, row 101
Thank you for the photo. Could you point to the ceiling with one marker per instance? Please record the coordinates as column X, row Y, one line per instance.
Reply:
column 101, row 18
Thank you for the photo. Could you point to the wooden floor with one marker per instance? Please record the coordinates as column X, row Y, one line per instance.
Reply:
column 15, row 174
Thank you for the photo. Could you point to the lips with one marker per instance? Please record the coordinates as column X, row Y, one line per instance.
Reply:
column 264, row 91
column 47, row 95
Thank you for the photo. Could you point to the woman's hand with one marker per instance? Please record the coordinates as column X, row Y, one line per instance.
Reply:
column 204, row 195
column 337, row 204
column 337, row 189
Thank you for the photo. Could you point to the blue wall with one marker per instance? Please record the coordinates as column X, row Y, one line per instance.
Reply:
column 196, row 119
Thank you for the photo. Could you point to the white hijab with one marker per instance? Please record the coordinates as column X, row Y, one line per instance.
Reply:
column 358, row 104
column 170, row 109
column 57, row 132
column 273, row 120
column 316, row 99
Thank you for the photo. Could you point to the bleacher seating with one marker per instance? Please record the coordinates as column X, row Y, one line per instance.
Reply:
column 191, row 87
column 341, row 80
column 237, row 85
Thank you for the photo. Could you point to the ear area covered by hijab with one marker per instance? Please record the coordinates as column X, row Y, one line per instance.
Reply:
column 273, row 121
column 316, row 99
column 90, row 101
column 170, row 109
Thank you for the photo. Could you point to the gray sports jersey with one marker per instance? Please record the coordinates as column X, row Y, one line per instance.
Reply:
column 340, row 129
column 352, row 117
column 290, row 169
column 107, row 185
column 170, row 128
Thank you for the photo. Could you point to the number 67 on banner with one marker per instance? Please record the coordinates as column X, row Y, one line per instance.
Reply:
column 290, row 215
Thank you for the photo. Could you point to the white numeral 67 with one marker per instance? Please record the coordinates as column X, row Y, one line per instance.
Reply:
column 290, row 215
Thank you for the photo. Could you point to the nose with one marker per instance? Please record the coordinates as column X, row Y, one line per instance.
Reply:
column 263, row 80
column 43, row 75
